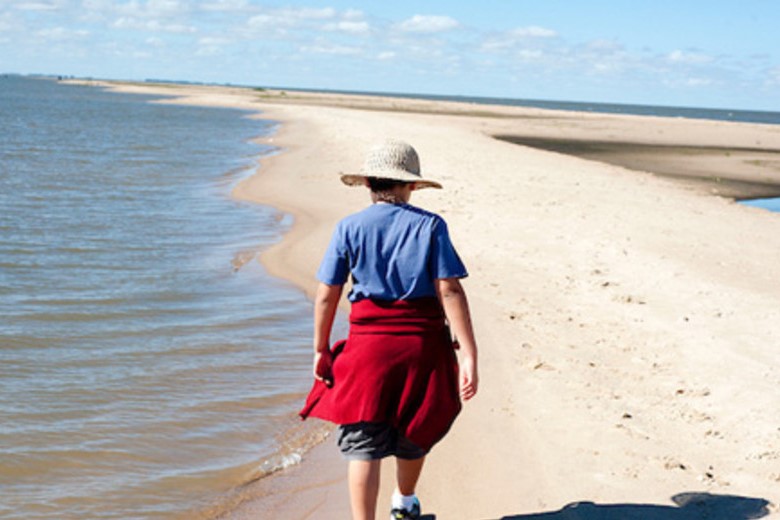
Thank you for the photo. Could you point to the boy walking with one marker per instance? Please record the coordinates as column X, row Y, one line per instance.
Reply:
column 394, row 386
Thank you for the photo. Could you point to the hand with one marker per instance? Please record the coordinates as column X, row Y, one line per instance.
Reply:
column 323, row 367
column 469, row 379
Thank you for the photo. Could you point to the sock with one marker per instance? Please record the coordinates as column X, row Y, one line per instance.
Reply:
column 400, row 501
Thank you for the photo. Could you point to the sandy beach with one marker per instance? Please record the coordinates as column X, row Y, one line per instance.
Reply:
column 628, row 323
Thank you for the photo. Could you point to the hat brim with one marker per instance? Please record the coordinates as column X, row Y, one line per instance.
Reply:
column 359, row 179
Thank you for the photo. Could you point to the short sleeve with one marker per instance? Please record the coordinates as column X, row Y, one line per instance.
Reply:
column 334, row 268
column 444, row 262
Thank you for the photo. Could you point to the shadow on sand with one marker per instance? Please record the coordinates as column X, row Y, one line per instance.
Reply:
column 689, row 506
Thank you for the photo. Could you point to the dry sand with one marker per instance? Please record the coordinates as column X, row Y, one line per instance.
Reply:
column 629, row 325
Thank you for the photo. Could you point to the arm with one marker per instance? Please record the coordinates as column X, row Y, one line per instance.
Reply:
column 326, row 302
column 456, row 308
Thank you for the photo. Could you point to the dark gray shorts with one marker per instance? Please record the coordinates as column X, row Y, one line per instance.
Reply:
column 370, row 441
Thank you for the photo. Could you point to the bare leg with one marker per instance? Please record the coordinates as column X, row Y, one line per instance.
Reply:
column 364, row 488
column 407, row 474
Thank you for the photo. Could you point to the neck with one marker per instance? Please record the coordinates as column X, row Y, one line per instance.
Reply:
column 388, row 198
column 398, row 195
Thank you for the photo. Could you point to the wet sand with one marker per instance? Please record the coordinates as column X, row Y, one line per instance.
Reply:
column 627, row 322
column 738, row 173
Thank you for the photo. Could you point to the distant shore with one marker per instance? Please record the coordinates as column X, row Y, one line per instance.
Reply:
column 739, row 170
column 627, row 322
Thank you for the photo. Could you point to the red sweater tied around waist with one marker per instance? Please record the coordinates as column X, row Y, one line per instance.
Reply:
column 397, row 367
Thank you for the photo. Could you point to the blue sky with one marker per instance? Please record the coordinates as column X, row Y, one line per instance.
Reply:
column 686, row 53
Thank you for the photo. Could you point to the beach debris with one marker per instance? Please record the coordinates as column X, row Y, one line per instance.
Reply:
column 703, row 392
column 633, row 432
column 709, row 474
column 766, row 455
column 672, row 463
column 541, row 365
column 241, row 258
column 630, row 299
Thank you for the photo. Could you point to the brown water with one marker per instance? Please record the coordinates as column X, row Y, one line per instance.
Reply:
column 148, row 366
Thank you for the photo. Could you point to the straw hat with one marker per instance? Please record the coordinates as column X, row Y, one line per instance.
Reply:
column 394, row 160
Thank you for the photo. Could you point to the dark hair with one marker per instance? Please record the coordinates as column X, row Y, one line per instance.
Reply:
column 377, row 184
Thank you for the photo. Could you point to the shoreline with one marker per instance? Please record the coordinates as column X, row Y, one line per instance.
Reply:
column 283, row 490
column 608, row 302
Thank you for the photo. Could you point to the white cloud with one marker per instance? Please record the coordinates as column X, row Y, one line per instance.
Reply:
column 351, row 27
column 428, row 24
column 530, row 54
column 169, row 9
column 226, row 5
column 213, row 40
column 603, row 68
column 341, row 50
column 688, row 58
column 166, row 7
column 385, row 56
column 687, row 82
column 171, row 16
column 97, row 11
column 698, row 82
column 602, row 57
column 101, row 6
column 10, row 22
column 261, row 21
column 496, row 44
column 533, row 32
column 36, row 6
column 773, row 77
column 308, row 13
column 61, row 34
column 280, row 20
column 352, row 21
column 604, row 46
column 519, row 37
column 353, row 14
column 152, row 25
column 212, row 45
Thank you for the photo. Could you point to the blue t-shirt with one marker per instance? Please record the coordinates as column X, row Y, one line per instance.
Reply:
column 393, row 251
